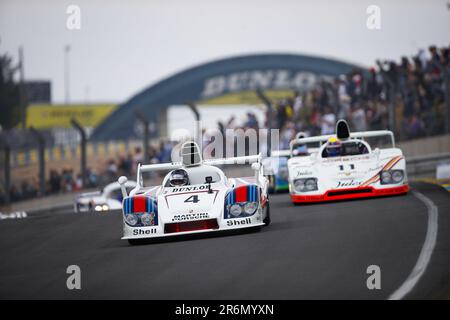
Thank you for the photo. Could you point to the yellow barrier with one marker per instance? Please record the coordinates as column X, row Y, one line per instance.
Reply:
column 44, row 116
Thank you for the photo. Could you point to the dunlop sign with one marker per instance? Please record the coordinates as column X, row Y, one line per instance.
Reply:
column 252, row 80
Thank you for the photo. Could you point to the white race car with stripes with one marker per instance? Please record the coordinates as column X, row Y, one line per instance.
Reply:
column 358, row 171
column 209, row 202
column 109, row 198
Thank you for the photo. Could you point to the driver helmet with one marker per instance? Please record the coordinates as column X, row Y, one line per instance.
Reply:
column 178, row 178
column 333, row 147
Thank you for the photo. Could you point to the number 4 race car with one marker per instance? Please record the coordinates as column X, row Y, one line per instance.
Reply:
column 194, row 197
column 346, row 167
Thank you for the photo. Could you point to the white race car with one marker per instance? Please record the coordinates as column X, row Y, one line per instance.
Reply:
column 346, row 167
column 275, row 166
column 109, row 198
column 194, row 197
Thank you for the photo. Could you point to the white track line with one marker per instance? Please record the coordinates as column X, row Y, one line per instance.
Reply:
column 425, row 253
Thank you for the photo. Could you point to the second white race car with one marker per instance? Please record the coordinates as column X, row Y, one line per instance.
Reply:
column 109, row 198
column 195, row 197
column 346, row 167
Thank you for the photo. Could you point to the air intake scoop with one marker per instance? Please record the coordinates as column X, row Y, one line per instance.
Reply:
column 190, row 154
column 342, row 130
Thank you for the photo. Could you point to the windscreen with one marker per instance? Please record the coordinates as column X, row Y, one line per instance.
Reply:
column 198, row 176
column 354, row 148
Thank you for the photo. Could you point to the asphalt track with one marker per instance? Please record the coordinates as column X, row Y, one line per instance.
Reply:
column 318, row 251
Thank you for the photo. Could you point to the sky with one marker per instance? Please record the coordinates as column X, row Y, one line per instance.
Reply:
column 122, row 47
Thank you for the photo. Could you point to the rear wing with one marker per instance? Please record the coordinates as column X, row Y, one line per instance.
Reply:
column 371, row 134
column 353, row 135
column 280, row 153
column 176, row 165
column 233, row 160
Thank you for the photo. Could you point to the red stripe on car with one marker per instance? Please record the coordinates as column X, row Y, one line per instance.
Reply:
column 140, row 204
column 241, row 194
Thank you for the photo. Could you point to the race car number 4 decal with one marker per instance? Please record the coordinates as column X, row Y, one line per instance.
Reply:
column 193, row 199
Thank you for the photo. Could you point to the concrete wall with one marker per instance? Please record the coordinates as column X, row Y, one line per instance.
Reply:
column 425, row 146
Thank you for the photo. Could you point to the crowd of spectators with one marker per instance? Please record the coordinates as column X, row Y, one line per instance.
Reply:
column 415, row 86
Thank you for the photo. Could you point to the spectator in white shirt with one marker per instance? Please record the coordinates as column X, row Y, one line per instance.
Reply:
column 327, row 122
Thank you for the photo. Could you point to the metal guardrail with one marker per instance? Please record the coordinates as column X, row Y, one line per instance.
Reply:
column 425, row 166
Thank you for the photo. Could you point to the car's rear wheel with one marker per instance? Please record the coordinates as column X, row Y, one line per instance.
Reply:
column 267, row 218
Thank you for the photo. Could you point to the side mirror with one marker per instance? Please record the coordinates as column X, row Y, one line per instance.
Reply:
column 208, row 180
column 256, row 166
column 122, row 181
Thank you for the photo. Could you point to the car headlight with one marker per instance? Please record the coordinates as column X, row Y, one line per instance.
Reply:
column 101, row 207
column 386, row 177
column 131, row 219
column 250, row 207
column 311, row 184
column 235, row 210
column 392, row 176
column 148, row 219
column 299, row 185
column 304, row 185
column 397, row 175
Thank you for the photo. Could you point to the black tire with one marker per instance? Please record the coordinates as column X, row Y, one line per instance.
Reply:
column 267, row 219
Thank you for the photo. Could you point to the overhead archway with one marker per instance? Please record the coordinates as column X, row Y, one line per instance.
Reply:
column 221, row 81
